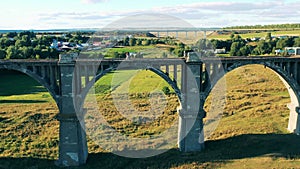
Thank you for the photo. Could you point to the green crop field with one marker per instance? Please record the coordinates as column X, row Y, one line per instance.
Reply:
column 251, row 134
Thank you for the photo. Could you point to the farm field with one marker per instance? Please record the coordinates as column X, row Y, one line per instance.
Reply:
column 251, row 134
column 151, row 51
column 253, row 35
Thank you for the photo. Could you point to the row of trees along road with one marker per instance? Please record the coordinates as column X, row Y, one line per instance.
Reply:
column 269, row 27
column 28, row 45
column 238, row 46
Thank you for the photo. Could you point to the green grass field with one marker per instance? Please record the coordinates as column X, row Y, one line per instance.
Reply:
column 151, row 51
column 251, row 134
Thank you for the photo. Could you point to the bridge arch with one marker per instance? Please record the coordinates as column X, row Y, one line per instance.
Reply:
column 144, row 120
column 34, row 76
column 36, row 113
column 290, row 83
column 157, row 71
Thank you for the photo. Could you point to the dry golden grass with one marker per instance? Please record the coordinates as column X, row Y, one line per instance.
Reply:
column 251, row 134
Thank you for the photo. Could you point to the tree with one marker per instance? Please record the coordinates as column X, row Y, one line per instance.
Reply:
column 28, row 34
column 12, row 53
column 268, row 36
column 227, row 44
column 164, row 55
column 37, row 50
column 181, row 45
column 284, row 42
column 45, row 40
column 68, row 35
column 115, row 55
column 2, row 54
column 34, row 42
column 234, row 50
column 170, row 50
column 297, row 42
column 4, row 42
column 45, row 53
column 237, row 38
column 216, row 43
column 146, row 42
column 132, row 42
column 26, row 52
column 20, row 43
column 126, row 41
column 166, row 90
column 179, row 52
column 245, row 50
column 26, row 39
column 264, row 47
column 54, row 53
column 11, row 34
column 255, row 51
column 139, row 42
column 203, row 45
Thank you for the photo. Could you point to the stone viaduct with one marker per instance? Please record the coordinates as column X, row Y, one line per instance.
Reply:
column 69, row 79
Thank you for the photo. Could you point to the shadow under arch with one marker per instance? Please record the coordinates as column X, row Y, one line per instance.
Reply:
column 36, row 78
column 26, row 119
column 289, row 82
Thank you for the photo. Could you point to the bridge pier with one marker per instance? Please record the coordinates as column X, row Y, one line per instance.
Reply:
column 72, row 142
column 191, row 114
column 190, row 132
column 72, row 139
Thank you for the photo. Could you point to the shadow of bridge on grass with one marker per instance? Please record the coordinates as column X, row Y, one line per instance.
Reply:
column 22, row 101
column 17, row 83
column 218, row 151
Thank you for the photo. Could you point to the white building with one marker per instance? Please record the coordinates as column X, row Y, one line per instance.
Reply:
column 293, row 50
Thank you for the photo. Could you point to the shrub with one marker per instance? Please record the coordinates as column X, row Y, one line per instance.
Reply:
column 166, row 90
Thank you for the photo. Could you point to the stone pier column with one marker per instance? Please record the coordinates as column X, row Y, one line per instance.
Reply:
column 191, row 133
column 72, row 139
column 191, row 113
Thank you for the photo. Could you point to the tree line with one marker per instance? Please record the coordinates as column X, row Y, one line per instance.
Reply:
column 238, row 46
column 28, row 45
column 272, row 26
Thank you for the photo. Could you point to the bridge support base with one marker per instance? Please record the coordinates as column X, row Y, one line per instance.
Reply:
column 72, row 146
column 294, row 119
column 190, row 133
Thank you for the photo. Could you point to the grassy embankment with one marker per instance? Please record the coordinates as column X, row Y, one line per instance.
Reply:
column 251, row 134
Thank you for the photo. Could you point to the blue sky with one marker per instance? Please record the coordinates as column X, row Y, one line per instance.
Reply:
column 46, row 14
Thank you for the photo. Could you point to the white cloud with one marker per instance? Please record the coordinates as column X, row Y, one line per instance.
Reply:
column 93, row 1
column 202, row 14
column 235, row 13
